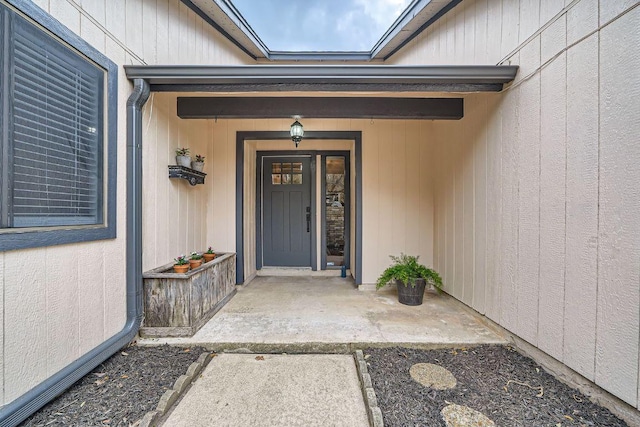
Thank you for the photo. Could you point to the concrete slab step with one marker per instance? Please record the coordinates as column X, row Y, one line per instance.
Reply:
column 274, row 390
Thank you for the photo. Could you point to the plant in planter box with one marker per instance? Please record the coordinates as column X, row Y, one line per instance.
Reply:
column 209, row 255
column 181, row 264
column 196, row 260
column 182, row 157
column 198, row 163
column 410, row 278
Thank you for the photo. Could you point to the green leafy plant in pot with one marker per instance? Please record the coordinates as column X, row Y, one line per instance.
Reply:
column 182, row 157
column 410, row 277
column 181, row 264
column 198, row 163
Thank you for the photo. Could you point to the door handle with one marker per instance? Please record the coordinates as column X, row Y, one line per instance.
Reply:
column 308, row 219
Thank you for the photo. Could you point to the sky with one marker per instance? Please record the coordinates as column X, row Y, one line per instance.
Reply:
column 320, row 25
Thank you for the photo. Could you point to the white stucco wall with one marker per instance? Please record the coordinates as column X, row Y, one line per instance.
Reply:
column 537, row 200
column 60, row 302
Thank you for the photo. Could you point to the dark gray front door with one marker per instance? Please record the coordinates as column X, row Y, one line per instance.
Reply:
column 286, row 225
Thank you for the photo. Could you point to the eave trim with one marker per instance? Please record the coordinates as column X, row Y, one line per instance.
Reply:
column 313, row 77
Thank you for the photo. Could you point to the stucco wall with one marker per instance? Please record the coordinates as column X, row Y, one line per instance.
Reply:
column 397, row 186
column 60, row 302
column 537, row 200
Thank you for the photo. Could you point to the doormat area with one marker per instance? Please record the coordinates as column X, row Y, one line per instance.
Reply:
column 120, row 391
column 496, row 381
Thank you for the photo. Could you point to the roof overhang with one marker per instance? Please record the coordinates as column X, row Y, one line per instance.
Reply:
column 323, row 78
column 224, row 17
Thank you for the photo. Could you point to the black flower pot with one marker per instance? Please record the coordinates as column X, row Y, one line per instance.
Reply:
column 412, row 293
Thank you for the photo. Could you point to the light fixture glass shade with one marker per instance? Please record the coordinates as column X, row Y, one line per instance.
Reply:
column 297, row 132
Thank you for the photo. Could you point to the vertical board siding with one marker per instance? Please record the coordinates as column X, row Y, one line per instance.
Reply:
column 425, row 198
column 581, row 280
column 480, row 209
column 25, row 319
column 412, row 183
column 509, row 215
column 618, row 314
column 91, row 298
column 552, row 208
column 62, row 305
column 371, row 201
column 494, row 209
column 64, row 300
column 458, row 219
column 468, row 211
column 554, row 163
column 528, row 165
column 487, row 31
column 175, row 212
column 449, row 191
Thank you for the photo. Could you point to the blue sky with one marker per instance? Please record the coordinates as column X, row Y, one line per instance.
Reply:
column 320, row 25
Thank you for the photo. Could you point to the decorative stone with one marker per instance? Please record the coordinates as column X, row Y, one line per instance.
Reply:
column 432, row 376
column 463, row 416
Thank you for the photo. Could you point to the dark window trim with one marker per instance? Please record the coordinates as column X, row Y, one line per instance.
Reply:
column 13, row 239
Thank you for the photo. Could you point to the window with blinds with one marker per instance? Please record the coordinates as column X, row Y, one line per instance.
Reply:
column 52, row 120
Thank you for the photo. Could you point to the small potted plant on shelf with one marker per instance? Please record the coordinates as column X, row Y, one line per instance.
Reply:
column 209, row 255
column 196, row 260
column 181, row 264
column 198, row 163
column 410, row 277
column 182, row 157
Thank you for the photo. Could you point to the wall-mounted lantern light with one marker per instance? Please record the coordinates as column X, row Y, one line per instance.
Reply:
column 297, row 131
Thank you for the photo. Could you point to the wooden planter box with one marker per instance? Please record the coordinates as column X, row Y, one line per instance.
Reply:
column 177, row 305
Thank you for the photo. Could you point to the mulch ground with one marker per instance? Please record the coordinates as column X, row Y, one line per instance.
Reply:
column 507, row 387
column 120, row 391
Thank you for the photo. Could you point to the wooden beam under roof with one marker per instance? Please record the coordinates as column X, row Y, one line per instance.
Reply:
column 328, row 107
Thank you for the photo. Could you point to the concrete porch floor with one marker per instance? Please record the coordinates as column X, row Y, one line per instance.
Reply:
column 330, row 315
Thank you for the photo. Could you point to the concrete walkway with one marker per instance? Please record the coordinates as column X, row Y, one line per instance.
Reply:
column 330, row 315
column 273, row 390
column 307, row 315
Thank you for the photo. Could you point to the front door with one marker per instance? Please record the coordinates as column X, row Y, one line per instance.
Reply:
column 286, row 211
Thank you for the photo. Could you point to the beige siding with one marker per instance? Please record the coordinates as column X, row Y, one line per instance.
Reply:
column 618, row 221
column 174, row 212
column 554, row 164
column 60, row 302
column 581, row 283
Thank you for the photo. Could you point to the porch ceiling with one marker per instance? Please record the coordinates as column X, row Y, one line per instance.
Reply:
column 324, row 78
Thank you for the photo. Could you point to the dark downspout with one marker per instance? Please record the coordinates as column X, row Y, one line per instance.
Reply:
column 21, row 408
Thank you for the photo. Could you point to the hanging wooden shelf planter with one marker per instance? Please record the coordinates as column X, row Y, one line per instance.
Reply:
column 193, row 176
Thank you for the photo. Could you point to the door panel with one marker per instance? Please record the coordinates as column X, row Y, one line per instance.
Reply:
column 286, row 198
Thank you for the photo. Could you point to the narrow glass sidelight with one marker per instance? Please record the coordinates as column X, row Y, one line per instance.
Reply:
column 334, row 207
